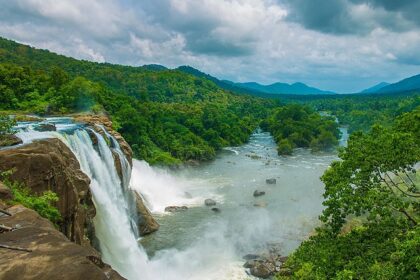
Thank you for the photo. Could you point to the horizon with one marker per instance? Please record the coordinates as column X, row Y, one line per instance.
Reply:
column 345, row 47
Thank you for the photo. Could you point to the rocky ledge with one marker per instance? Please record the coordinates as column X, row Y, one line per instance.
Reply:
column 34, row 249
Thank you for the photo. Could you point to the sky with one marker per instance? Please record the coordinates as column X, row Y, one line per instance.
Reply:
column 338, row 45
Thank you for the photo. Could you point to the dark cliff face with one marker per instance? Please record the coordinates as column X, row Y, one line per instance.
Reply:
column 50, row 165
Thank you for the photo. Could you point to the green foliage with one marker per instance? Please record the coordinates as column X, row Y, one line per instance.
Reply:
column 299, row 126
column 360, row 112
column 374, row 179
column 6, row 125
column 386, row 250
column 376, row 176
column 43, row 204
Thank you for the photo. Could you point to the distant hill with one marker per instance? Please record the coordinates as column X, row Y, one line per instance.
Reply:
column 412, row 83
column 283, row 88
column 375, row 88
column 255, row 88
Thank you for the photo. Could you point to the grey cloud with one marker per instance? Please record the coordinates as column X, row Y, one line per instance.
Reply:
column 343, row 16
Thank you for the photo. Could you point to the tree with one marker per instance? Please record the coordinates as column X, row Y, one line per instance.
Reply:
column 375, row 176
column 6, row 125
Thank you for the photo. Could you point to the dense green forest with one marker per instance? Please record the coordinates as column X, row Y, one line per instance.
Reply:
column 300, row 126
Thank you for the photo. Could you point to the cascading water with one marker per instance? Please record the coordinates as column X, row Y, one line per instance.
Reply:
column 113, row 226
column 115, row 219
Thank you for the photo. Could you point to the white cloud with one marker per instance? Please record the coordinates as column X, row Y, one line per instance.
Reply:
column 242, row 40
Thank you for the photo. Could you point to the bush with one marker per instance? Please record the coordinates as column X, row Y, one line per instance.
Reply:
column 43, row 204
column 6, row 125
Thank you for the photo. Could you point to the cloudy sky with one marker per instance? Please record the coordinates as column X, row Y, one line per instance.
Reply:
column 340, row 45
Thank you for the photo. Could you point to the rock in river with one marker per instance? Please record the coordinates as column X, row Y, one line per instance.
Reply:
column 173, row 209
column 215, row 210
column 209, row 202
column 258, row 193
column 271, row 181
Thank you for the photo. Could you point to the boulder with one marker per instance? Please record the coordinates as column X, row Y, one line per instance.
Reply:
column 209, row 202
column 146, row 223
column 271, row 181
column 216, row 210
column 42, row 127
column 262, row 270
column 50, row 165
column 51, row 255
column 173, row 209
column 9, row 140
column 258, row 193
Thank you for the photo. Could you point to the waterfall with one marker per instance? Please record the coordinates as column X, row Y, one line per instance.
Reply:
column 113, row 202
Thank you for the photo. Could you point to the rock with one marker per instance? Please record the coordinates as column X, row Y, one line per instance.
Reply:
column 209, row 202
column 9, row 140
column 261, row 204
column 250, row 263
column 45, row 127
column 173, row 209
column 258, row 193
column 52, row 255
column 50, row 165
column 187, row 195
column 251, row 257
column 262, row 270
column 147, row 224
column 271, row 181
column 5, row 192
column 94, row 120
column 216, row 210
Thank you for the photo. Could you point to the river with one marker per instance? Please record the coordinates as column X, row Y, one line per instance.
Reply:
column 199, row 243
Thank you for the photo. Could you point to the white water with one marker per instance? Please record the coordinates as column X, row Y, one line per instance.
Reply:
column 115, row 208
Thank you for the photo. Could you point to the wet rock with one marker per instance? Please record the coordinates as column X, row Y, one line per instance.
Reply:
column 9, row 140
column 173, row 209
column 51, row 256
column 216, row 210
column 251, row 257
column 266, row 264
column 147, row 224
column 209, row 202
column 271, row 181
column 258, row 193
column 262, row 270
column 42, row 127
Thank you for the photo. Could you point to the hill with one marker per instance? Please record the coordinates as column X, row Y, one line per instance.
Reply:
column 283, row 88
column 375, row 88
column 411, row 83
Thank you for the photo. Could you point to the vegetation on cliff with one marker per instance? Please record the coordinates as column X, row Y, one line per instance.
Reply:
column 375, row 180
column 43, row 204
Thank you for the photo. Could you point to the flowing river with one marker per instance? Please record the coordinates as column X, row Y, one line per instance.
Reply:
column 200, row 243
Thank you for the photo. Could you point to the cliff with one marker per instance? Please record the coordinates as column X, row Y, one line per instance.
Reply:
column 50, row 254
column 50, row 165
